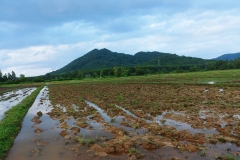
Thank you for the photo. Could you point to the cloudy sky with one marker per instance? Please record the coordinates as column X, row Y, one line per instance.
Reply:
column 39, row 36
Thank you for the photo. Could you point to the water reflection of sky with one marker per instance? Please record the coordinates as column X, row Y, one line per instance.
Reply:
column 10, row 99
column 42, row 103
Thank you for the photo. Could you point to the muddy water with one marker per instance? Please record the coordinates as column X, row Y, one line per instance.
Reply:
column 127, row 111
column 48, row 144
column 10, row 99
column 102, row 113
column 168, row 122
column 182, row 126
column 116, row 121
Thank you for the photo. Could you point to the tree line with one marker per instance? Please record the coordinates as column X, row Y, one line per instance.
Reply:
column 11, row 78
column 138, row 70
column 122, row 72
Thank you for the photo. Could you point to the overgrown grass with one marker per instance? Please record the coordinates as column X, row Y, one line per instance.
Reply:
column 12, row 122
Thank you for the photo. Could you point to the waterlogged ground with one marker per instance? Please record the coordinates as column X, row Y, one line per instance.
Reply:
column 131, row 121
column 10, row 99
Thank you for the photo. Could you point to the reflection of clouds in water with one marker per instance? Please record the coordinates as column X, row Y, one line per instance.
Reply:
column 236, row 116
column 127, row 111
column 75, row 107
column 41, row 103
column 183, row 126
column 100, row 111
column 10, row 99
column 62, row 108
column 211, row 82
column 173, row 123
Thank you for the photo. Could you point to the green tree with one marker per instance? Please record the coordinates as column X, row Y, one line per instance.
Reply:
column 178, row 70
column 1, row 78
column 22, row 78
column 117, row 71
column 80, row 75
column 193, row 69
column 125, row 72
column 13, row 74
column 139, row 71
column 38, row 79
column 9, row 76
column 47, row 76
column 74, row 74
column 5, row 77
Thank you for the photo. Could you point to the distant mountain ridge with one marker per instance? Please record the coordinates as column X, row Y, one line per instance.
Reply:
column 104, row 58
column 229, row 56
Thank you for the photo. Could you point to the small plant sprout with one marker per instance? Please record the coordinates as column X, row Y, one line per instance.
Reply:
column 112, row 120
column 229, row 157
column 203, row 153
column 163, row 121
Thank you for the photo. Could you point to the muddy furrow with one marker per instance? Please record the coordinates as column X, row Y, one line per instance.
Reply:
column 10, row 99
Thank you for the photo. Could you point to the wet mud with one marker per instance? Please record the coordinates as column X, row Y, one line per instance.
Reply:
column 131, row 121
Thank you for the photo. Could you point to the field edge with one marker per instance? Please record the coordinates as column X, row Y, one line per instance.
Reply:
column 12, row 122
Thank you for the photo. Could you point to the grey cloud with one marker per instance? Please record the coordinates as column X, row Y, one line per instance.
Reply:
column 54, row 12
column 189, row 27
column 31, row 22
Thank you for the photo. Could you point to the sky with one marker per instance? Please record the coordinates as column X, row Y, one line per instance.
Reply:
column 40, row 36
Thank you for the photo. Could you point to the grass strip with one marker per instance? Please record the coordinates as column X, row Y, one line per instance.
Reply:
column 12, row 122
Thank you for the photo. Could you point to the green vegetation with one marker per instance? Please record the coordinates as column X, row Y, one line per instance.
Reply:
column 218, row 77
column 134, row 151
column 84, row 141
column 230, row 157
column 12, row 121
column 104, row 63
column 9, row 78
column 105, row 60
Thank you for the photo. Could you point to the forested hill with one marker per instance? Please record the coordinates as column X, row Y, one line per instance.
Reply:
column 104, row 58
column 230, row 56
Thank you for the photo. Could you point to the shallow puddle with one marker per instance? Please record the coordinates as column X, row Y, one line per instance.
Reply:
column 62, row 108
column 211, row 82
column 127, row 112
column 116, row 121
column 100, row 111
column 177, row 125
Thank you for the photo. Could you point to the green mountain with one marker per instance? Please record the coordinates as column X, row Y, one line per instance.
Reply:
column 230, row 56
column 104, row 58
column 166, row 59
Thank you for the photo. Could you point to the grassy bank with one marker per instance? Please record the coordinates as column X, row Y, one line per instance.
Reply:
column 11, row 123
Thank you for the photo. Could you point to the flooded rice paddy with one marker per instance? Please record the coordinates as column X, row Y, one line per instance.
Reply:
column 10, row 99
column 131, row 121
